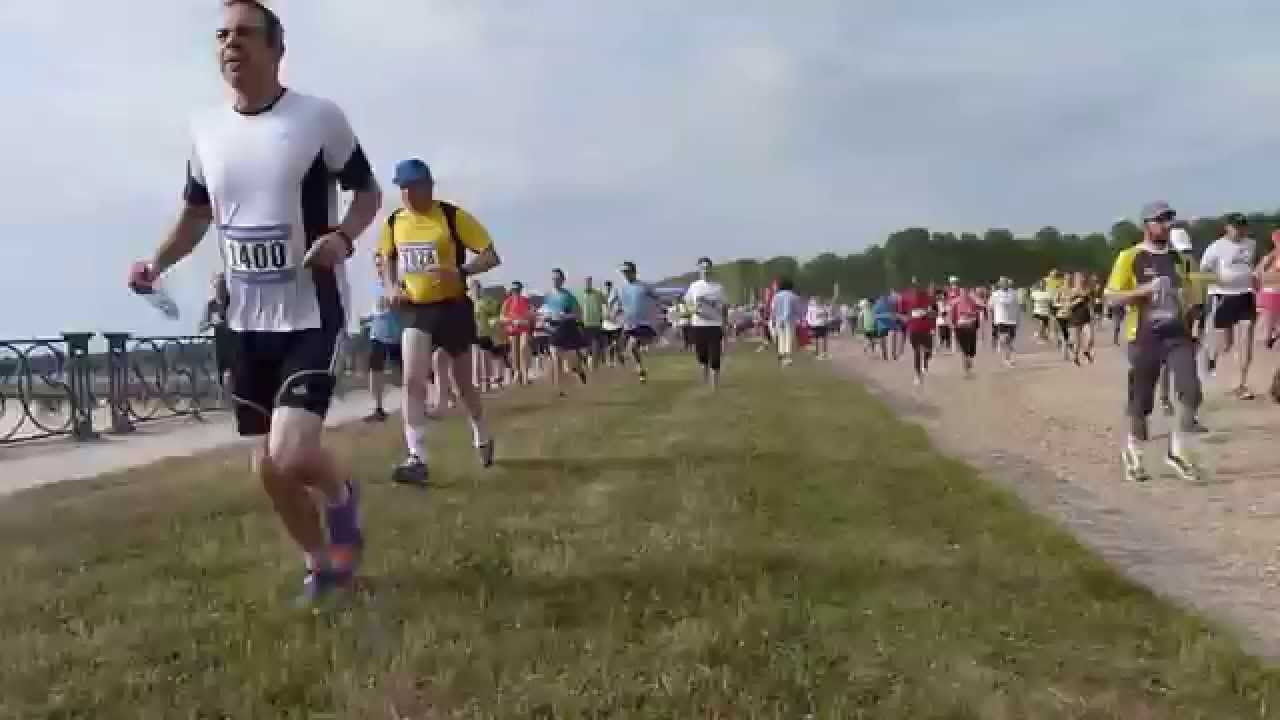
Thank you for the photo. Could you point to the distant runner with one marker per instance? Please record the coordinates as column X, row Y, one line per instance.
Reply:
column 1005, row 315
column 1231, row 258
column 639, row 303
column 916, row 308
column 710, row 313
column 965, row 312
column 787, row 314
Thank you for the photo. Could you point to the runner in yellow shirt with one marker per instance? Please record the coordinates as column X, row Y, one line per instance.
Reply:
column 424, row 246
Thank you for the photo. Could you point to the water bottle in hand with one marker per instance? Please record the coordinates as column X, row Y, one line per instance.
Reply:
column 143, row 282
column 161, row 300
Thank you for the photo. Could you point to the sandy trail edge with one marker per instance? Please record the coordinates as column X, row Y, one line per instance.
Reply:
column 994, row 424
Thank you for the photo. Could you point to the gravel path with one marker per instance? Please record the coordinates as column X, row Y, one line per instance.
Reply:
column 1053, row 432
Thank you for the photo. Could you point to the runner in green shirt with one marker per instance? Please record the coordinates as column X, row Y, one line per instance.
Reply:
column 592, row 303
column 491, row 339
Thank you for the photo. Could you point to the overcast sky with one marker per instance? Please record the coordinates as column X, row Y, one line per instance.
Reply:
column 584, row 133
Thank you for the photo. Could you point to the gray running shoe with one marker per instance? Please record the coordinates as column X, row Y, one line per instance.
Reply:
column 413, row 471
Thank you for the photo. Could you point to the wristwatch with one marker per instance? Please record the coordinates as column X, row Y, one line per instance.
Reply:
column 351, row 244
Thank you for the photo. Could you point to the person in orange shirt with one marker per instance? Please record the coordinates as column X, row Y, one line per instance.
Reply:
column 517, row 316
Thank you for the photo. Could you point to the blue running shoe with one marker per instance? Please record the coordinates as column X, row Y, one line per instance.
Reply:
column 344, row 524
column 324, row 588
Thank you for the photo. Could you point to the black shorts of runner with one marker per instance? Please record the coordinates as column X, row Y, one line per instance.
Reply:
column 224, row 343
column 282, row 369
column 611, row 337
column 540, row 344
column 1081, row 315
column 568, row 335
column 643, row 334
column 922, row 340
column 450, row 323
column 486, row 344
column 1232, row 309
column 1064, row 325
column 380, row 352
column 707, row 343
column 819, row 331
column 1009, row 330
column 594, row 338
column 967, row 339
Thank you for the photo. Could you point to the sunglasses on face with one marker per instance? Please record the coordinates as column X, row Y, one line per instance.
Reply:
column 1163, row 219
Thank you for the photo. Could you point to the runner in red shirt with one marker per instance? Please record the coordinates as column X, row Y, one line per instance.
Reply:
column 917, row 310
column 966, row 315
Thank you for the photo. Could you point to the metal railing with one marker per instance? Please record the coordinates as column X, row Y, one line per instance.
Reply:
column 58, row 387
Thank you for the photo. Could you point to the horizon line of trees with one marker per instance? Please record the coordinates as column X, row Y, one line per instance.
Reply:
column 932, row 257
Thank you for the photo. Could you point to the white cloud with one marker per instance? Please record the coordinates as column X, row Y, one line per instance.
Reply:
column 582, row 133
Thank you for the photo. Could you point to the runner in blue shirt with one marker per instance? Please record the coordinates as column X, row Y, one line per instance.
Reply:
column 639, row 305
column 564, row 315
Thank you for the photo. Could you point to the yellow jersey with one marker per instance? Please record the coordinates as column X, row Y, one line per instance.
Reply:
column 1137, row 266
column 422, row 243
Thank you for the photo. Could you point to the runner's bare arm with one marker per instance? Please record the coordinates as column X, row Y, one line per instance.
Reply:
column 365, row 204
column 186, row 234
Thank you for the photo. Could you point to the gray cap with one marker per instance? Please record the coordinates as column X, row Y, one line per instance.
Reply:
column 1153, row 210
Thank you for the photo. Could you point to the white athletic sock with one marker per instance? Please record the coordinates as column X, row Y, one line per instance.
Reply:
column 1177, row 443
column 1134, row 444
column 415, row 438
column 479, row 431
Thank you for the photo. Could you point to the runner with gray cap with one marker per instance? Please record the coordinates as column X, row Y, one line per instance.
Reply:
column 1150, row 279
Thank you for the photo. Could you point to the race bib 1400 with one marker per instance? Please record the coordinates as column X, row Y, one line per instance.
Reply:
column 259, row 254
column 418, row 257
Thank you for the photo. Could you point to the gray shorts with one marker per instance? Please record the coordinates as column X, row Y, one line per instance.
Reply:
column 1147, row 356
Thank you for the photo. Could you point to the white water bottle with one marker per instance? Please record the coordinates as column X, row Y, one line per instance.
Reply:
column 160, row 299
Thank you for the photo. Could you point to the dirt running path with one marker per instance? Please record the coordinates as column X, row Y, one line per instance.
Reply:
column 1053, row 432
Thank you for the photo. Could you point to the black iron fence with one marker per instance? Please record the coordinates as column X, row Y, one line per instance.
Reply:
column 71, row 386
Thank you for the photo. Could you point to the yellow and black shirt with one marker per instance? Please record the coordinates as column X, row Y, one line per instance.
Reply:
column 422, row 243
column 1138, row 266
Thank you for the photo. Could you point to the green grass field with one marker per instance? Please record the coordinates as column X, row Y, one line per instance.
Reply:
column 786, row 549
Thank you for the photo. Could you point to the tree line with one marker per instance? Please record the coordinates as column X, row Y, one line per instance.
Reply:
column 932, row 257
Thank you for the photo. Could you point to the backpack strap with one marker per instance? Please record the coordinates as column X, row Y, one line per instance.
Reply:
column 450, row 212
column 391, row 223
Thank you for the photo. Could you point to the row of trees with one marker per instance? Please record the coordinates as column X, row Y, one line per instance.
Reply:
column 932, row 257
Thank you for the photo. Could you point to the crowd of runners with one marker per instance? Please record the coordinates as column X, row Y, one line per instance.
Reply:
column 264, row 174
column 1177, row 316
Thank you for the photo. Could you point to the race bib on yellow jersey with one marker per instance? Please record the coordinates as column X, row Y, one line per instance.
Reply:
column 417, row 258
column 259, row 254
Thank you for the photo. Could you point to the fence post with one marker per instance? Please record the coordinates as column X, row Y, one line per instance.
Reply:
column 80, row 372
column 118, row 380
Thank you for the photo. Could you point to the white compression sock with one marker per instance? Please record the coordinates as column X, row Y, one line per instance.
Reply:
column 1177, row 442
column 479, row 431
column 415, row 438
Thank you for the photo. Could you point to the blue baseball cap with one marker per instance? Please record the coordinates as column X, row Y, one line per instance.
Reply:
column 412, row 172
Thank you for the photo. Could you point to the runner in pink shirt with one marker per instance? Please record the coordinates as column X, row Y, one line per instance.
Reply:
column 966, row 316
